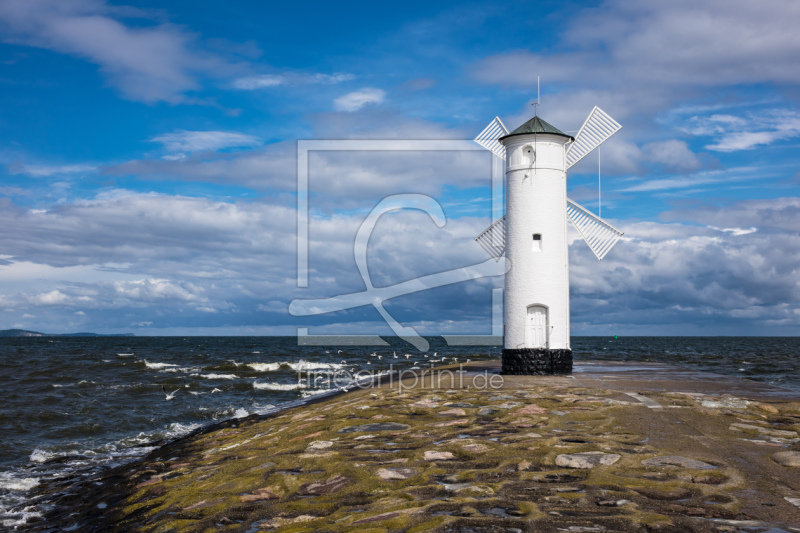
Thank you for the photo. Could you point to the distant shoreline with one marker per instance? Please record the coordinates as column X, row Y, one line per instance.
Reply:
column 17, row 333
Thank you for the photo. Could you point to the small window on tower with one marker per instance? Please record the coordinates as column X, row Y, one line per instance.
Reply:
column 529, row 155
column 537, row 242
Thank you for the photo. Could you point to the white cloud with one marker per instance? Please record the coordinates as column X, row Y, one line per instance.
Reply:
column 708, row 177
column 330, row 79
column 356, row 100
column 274, row 306
column 620, row 157
column 744, row 141
column 54, row 297
column 149, row 290
column 273, row 167
column 252, row 83
column 637, row 59
column 672, row 154
column 676, row 43
column 681, row 277
column 259, row 82
column 736, row 231
column 194, row 141
column 713, row 124
column 746, row 132
column 194, row 255
column 51, row 298
column 145, row 63
column 344, row 179
column 44, row 171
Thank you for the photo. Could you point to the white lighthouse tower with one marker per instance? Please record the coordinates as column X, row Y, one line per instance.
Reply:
column 533, row 237
column 536, row 309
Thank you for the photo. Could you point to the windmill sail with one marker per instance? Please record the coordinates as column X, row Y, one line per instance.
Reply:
column 493, row 239
column 598, row 234
column 488, row 137
column 597, row 128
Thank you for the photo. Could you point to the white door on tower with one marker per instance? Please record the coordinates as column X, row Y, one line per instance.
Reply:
column 536, row 327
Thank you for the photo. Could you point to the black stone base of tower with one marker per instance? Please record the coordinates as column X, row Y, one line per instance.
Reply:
column 536, row 361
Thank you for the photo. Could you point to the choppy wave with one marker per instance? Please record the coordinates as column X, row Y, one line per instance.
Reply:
column 279, row 386
column 42, row 456
column 217, row 376
column 299, row 366
column 302, row 366
column 264, row 367
column 7, row 482
column 156, row 366
column 314, row 392
column 265, row 408
column 14, row 486
column 172, row 431
column 20, row 518
column 130, row 446
column 189, row 369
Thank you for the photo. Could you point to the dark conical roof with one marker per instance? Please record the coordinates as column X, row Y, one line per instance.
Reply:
column 536, row 125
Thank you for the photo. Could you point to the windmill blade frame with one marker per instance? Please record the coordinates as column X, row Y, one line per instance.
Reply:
column 493, row 239
column 598, row 234
column 488, row 137
column 596, row 129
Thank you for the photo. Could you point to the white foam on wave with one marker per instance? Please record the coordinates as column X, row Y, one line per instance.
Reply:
column 278, row 386
column 131, row 446
column 8, row 482
column 124, row 354
column 263, row 409
column 156, row 366
column 187, row 369
column 308, row 365
column 314, row 392
column 299, row 366
column 125, row 386
column 264, row 367
column 22, row 517
column 240, row 413
column 41, row 456
column 217, row 376
column 175, row 429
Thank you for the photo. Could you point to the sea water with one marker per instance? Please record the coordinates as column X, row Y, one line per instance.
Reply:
column 73, row 405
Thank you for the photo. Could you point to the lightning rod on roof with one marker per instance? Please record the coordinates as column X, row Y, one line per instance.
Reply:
column 538, row 99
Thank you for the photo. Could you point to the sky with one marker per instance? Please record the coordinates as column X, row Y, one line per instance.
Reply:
column 148, row 160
